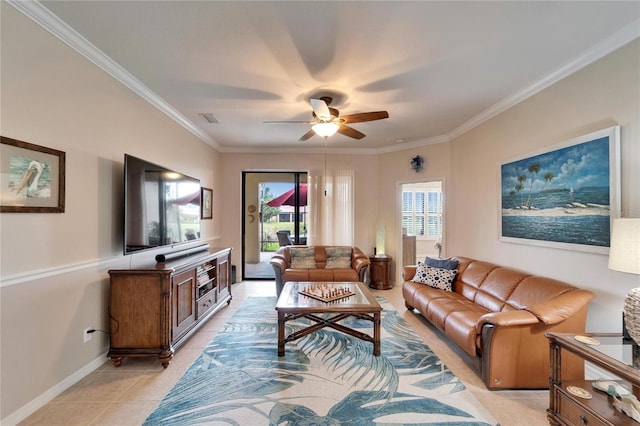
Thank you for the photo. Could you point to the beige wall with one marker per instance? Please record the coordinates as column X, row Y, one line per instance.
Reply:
column 395, row 170
column 604, row 94
column 54, row 266
column 54, row 279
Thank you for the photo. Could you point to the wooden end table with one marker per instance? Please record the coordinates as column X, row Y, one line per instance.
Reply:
column 609, row 352
column 380, row 272
column 362, row 304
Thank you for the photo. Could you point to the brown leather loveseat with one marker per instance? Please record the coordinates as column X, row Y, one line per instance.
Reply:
column 499, row 317
column 318, row 263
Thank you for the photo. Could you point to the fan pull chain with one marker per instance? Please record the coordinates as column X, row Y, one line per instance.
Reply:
column 325, row 166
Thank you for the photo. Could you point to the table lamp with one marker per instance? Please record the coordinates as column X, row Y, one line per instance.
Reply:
column 624, row 256
column 380, row 240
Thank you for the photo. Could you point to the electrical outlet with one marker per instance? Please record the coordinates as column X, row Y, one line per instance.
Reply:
column 86, row 335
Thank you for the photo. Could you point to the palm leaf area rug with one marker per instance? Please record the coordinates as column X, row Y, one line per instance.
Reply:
column 325, row 378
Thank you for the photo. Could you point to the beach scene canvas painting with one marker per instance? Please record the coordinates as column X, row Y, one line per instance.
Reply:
column 562, row 196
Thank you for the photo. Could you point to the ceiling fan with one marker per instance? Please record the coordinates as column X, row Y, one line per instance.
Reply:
column 327, row 121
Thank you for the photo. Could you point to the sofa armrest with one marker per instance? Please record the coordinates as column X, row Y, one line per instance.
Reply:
column 506, row 319
column 279, row 263
column 408, row 271
column 562, row 307
column 359, row 261
column 358, row 264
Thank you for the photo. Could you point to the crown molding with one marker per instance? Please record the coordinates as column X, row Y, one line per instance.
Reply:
column 43, row 17
column 625, row 35
column 298, row 150
column 38, row 13
column 413, row 144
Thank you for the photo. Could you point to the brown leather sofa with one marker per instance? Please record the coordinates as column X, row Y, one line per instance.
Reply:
column 499, row 316
column 321, row 266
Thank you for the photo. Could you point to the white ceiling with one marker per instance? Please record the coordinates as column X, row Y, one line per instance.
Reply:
column 439, row 68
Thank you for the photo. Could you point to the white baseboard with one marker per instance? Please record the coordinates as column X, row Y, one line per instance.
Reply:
column 42, row 400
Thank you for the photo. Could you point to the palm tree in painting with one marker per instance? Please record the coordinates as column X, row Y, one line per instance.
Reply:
column 520, row 186
column 533, row 168
column 548, row 177
column 512, row 194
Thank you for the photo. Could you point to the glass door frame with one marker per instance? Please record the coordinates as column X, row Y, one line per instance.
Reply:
column 295, row 178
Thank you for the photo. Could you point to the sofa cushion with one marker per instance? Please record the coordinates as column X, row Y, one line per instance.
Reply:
column 320, row 274
column 435, row 277
column 441, row 263
column 420, row 296
column 296, row 275
column 349, row 275
column 338, row 257
column 439, row 309
column 302, row 258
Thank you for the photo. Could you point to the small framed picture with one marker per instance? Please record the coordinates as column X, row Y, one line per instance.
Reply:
column 206, row 209
column 31, row 178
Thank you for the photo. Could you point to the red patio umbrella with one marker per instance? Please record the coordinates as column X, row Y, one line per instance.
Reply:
column 288, row 198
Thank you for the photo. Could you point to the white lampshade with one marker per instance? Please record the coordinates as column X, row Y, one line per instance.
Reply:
column 325, row 129
column 624, row 253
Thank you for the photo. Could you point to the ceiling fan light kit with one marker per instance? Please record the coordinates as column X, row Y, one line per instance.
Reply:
column 327, row 121
column 325, row 129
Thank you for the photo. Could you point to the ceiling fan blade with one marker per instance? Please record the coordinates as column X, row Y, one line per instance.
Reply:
column 365, row 116
column 307, row 135
column 321, row 109
column 351, row 132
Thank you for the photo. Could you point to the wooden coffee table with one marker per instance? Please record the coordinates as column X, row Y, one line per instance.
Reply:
column 292, row 305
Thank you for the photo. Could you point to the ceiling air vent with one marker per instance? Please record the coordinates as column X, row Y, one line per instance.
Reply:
column 209, row 118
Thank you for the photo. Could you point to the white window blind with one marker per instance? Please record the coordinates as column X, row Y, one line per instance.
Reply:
column 422, row 213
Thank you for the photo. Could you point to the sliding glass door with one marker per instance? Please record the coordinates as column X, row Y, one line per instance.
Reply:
column 275, row 214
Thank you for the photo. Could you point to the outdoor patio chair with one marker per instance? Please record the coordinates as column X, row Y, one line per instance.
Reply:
column 284, row 238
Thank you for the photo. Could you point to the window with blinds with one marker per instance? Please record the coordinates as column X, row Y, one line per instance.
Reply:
column 422, row 213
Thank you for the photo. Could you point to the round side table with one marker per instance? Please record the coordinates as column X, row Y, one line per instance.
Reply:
column 380, row 272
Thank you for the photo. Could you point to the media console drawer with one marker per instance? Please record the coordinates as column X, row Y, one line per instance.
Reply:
column 206, row 303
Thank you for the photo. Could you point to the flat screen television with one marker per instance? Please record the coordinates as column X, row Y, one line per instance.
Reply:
column 161, row 206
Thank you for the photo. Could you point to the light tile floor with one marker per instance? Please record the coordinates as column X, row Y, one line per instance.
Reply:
column 127, row 395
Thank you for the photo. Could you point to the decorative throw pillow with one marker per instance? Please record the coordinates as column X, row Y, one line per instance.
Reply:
column 338, row 251
column 420, row 276
column 338, row 263
column 441, row 263
column 303, row 258
column 435, row 277
column 338, row 257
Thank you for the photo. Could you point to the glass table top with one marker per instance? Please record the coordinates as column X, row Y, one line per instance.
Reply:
column 291, row 296
column 616, row 347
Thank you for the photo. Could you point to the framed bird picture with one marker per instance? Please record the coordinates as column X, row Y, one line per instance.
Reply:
column 206, row 208
column 32, row 178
